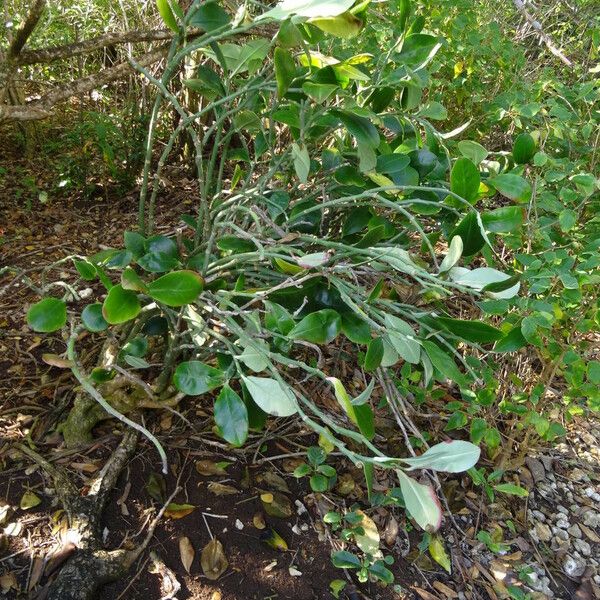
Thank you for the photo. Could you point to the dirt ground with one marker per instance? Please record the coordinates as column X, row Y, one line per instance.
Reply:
column 35, row 398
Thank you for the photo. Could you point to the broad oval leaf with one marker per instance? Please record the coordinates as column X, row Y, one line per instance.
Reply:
column 512, row 186
column 418, row 49
column 444, row 363
column 285, row 70
column 465, row 180
column 307, row 8
column 524, row 148
column 271, row 396
column 47, row 315
column 473, row 151
column 120, row 305
column 209, row 16
column 477, row 279
column 505, row 219
column 471, row 331
column 231, row 417
column 164, row 8
column 374, row 355
column 355, row 328
column 451, row 457
column 360, row 127
column 195, row 378
column 470, row 233
column 403, row 339
column 320, row 327
column 454, row 253
column 177, row 288
column 421, row 502
column 301, row 161
column 92, row 318
column 360, row 414
column 344, row 26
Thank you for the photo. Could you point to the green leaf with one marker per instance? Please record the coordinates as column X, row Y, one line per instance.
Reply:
column 301, row 161
column 444, row 363
column 161, row 255
column 473, row 151
column 271, row 396
column 455, row 251
column 524, row 148
column 319, row 483
column 374, row 354
column 378, row 570
column 231, row 417
column 457, row 420
column 465, row 180
column 450, row 457
column 418, row 49
column 593, row 372
column 285, row 70
column 85, row 269
column 359, row 127
column 365, row 395
column 208, row 83
column 393, row 165
column 319, row 92
column 471, row 331
column 512, row 186
column 403, row 13
column 256, row 355
column 277, row 318
column 235, row 244
column 336, row 586
column 506, row 219
column 344, row 26
column 512, row 489
column 434, row 110
column 164, row 8
column 130, row 280
column 355, row 328
column 479, row 278
column 134, row 242
column 307, row 8
column 176, row 288
column 209, row 16
column 470, row 233
column 302, row 471
column 438, row 553
column 567, row 219
column 345, row 560
column 478, row 429
column 320, row 327
column 367, row 159
column 195, row 378
column 92, row 318
column 421, row 502
column 120, row 305
column 47, row 315
column 403, row 339
column 361, row 415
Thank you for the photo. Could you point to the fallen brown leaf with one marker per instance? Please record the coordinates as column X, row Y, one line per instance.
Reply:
column 213, row 560
column 444, row 589
column 424, row 594
column 209, row 467
column 222, row 489
column 186, row 552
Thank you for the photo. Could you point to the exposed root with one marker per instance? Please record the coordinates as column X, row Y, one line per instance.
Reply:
column 91, row 566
